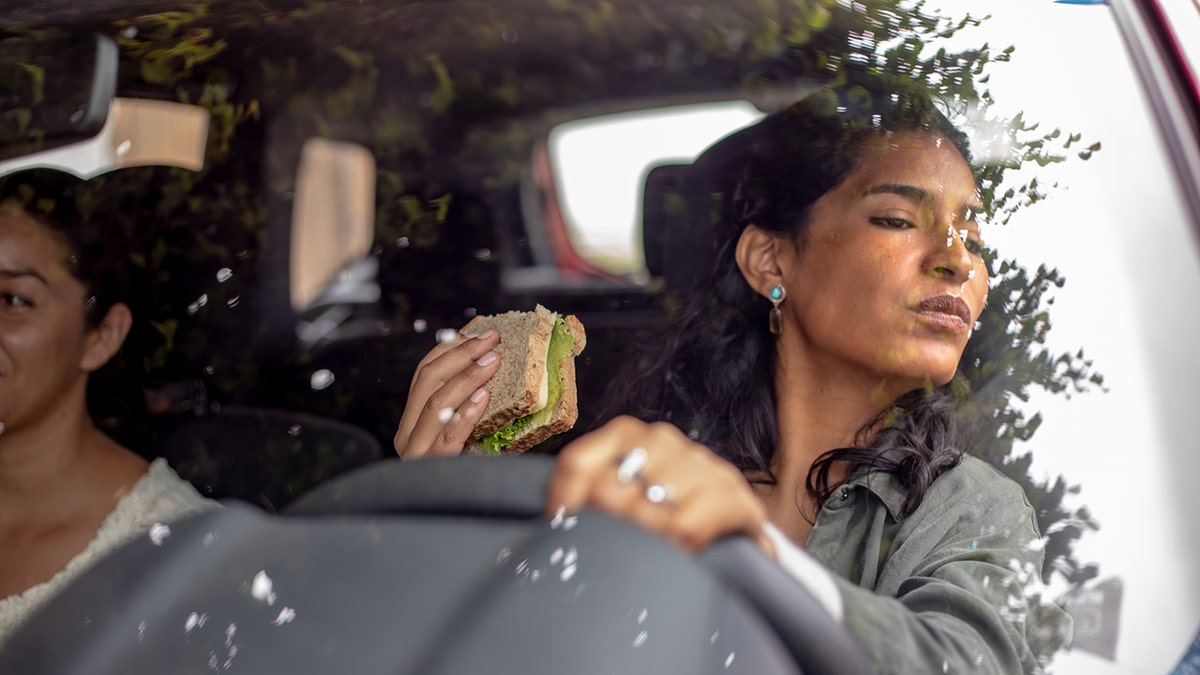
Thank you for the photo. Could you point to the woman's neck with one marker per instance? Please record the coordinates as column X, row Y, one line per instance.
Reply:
column 818, row 409
column 61, row 455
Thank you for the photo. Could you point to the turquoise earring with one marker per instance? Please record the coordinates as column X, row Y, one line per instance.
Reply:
column 776, row 295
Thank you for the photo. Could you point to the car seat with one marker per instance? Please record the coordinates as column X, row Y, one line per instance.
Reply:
column 264, row 456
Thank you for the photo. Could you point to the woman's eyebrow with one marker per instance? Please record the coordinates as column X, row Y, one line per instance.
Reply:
column 914, row 194
column 910, row 192
column 9, row 273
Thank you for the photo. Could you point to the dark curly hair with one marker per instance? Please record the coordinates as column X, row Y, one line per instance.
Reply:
column 66, row 205
column 97, row 255
column 712, row 372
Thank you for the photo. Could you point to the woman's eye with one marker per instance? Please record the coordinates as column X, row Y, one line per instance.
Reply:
column 891, row 222
column 15, row 301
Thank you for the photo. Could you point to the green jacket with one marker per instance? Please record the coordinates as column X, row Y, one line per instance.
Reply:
column 952, row 588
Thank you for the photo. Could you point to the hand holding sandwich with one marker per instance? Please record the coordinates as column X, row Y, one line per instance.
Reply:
column 527, row 362
column 447, row 397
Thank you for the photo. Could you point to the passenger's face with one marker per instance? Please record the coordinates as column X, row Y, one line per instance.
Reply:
column 42, row 327
column 891, row 260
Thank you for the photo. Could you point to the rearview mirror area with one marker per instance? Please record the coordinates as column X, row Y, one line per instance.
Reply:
column 54, row 90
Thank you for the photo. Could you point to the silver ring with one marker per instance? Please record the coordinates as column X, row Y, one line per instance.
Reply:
column 657, row 493
column 630, row 468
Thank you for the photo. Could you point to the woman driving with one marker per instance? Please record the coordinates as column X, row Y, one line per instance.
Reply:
column 68, row 493
column 804, row 395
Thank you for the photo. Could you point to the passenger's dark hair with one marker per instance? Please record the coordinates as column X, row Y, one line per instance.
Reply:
column 713, row 372
column 64, row 204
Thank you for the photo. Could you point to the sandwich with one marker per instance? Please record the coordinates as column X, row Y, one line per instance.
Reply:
column 533, row 395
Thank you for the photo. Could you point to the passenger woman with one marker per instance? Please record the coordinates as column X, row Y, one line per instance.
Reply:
column 68, row 492
column 803, row 396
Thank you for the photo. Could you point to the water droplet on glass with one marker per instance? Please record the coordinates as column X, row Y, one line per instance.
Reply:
column 640, row 639
column 556, row 556
column 569, row 522
column 713, row 640
column 124, row 147
column 129, row 32
column 642, row 616
column 444, row 335
column 209, row 370
column 321, row 379
column 200, row 302
column 285, row 616
column 945, row 666
column 233, row 302
column 510, row 36
column 294, row 430
column 503, row 556
column 224, row 274
column 568, row 572
column 571, row 557
column 729, row 659
column 470, row 312
column 209, row 539
column 262, row 588
column 483, row 254
column 141, row 630
column 230, row 631
column 402, row 242
column 158, row 533
column 420, row 325
column 193, row 621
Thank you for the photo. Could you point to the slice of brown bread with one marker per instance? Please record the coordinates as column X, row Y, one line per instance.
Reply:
column 524, row 337
column 566, row 411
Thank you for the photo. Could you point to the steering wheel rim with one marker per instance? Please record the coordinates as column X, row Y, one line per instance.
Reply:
column 515, row 487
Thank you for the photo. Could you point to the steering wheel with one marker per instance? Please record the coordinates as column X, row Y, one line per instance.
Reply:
column 439, row 567
column 515, row 487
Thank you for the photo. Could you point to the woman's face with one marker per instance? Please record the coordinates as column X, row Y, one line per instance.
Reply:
column 43, row 334
column 889, row 281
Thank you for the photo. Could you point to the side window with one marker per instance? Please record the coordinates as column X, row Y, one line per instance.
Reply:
column 333, row 217
column 599, row 165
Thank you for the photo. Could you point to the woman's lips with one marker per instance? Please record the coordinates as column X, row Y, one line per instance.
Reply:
column 946, row 311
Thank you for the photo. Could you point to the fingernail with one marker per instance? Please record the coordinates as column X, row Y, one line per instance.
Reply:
column 486, row 334
column 487, row 359
column 478, row 395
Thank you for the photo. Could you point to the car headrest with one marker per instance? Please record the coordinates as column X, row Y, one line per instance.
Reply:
column 263, row 456
column 682, row 207
column 677, row 236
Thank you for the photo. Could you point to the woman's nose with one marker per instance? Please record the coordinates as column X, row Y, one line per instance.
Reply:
column 949, row 257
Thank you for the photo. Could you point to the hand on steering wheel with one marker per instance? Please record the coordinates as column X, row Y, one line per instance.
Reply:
column 447, row 398
column 656, row 477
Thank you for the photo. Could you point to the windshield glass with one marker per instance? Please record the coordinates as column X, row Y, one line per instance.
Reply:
column 329, row 190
